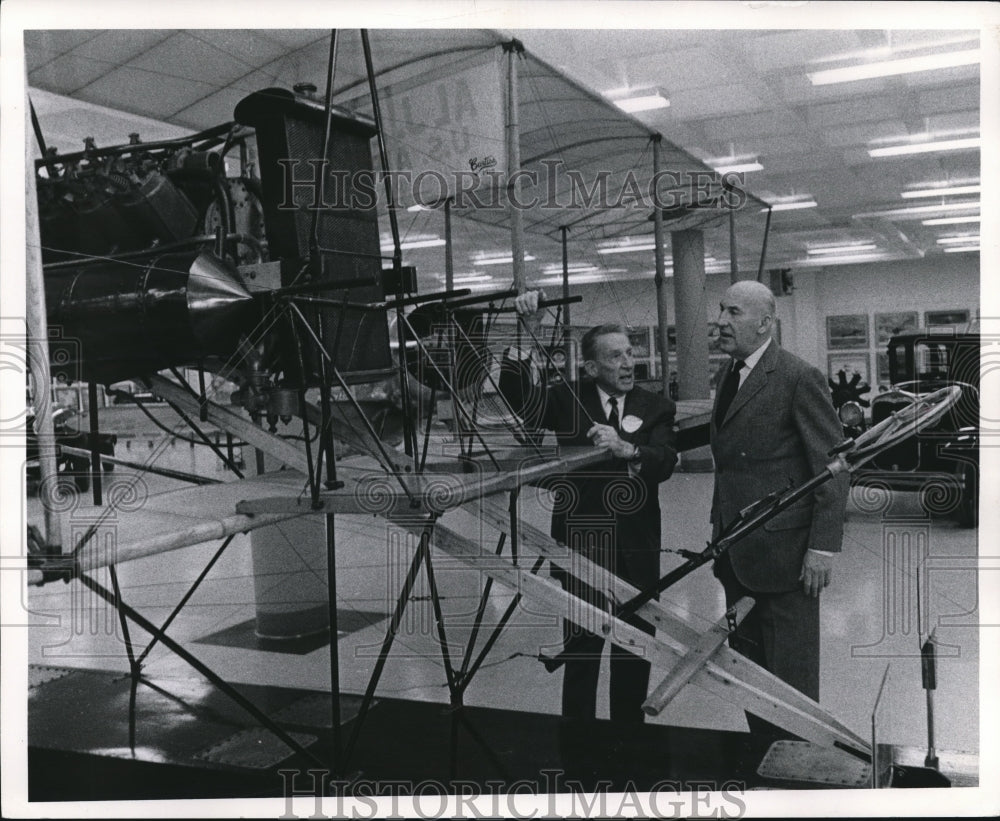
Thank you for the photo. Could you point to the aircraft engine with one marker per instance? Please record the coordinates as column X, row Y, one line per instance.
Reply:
column 122, row 318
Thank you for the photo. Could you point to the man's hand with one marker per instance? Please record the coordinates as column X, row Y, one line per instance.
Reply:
column 527, row 307
column 605, row 436
column 816, row 572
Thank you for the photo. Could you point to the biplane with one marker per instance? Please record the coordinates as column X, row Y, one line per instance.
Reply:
column 249, row 254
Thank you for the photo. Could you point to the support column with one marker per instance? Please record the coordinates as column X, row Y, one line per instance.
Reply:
column 691, row 321
column 660, row 278
column 734, row 268
column 691, row 313
column 513, row 129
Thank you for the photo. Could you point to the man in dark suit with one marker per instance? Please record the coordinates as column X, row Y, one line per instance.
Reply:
column 774, row 424
column 610, row 512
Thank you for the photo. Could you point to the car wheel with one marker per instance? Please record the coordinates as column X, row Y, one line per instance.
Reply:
column 968, row 508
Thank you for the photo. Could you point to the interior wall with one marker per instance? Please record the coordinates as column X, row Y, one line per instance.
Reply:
column 941, row 282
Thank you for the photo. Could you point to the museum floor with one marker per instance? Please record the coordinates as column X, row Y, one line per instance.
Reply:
column 81, row 700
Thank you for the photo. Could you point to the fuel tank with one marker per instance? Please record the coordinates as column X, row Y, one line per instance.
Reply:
column 119, row 319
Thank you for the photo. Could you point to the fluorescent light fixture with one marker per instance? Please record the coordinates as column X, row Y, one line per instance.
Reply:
column 950, row 220
column 642, row 102
column 462, row 278
column 627, row 249
column 958, row 240
column 840, row 259
column 961, row 249
column 556, row 269
column 792, row 206
column 507, row 260
column 917, row 210
column 925, row 147
column 889, row 68
column 950, row 191
column 736, row 167
column 409, row 245
column 843, row 249
column 582, row 279
column 485, row 285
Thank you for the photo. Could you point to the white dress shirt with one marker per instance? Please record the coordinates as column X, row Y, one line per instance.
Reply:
column 606, row 403
column 751, row 361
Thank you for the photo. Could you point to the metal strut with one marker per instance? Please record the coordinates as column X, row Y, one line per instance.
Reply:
column 390, row 636
column 198, row 665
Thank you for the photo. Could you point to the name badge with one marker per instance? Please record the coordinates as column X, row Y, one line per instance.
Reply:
column 630, row 424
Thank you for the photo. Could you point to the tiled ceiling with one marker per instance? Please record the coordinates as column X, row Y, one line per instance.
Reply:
column 732, row 92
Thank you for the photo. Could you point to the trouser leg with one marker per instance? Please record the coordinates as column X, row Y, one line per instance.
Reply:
column 781, row 634
column 581, row 672
column 629, row 681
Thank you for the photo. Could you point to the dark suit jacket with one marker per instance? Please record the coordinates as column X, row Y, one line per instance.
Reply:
column 778, row 430
column 608, row 515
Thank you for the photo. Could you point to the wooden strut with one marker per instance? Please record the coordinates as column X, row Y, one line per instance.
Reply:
column 744, row 683
column 675, row 628
column 682, row 672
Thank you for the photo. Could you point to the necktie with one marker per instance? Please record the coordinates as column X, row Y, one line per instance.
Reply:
column 613, row 416
column 730, row 385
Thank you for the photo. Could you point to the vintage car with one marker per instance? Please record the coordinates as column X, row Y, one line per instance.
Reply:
column 942, row 462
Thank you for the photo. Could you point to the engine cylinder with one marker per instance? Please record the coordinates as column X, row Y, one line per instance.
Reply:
column 120, row 319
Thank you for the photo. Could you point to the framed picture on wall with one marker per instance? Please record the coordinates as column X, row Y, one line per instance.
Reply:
column 847, row 331
column 957, row 319
column 850, row 363
column 888, row 325
column 639, row 340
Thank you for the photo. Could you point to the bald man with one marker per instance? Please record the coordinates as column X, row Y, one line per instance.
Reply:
column 774, row 424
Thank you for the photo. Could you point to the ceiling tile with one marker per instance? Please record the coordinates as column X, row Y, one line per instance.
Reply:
column 285, row 39
column 251, row 46
column 727, row 87
column 865, row 109
column 684, row 69
column 68, row 73
column 696, row 104
column 191, row 57
column 118, row 46
column 780, row 145
column 218, row 106
column 35, row 56
column 863, row 134
column 942, row 76
column 781, row 50
column 955, row 121
column 817, row 157
column 956, row 98
column 57, row 41
column 130, row 89
column 765, row 123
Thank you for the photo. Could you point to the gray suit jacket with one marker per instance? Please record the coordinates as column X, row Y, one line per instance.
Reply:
column 778, row 431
